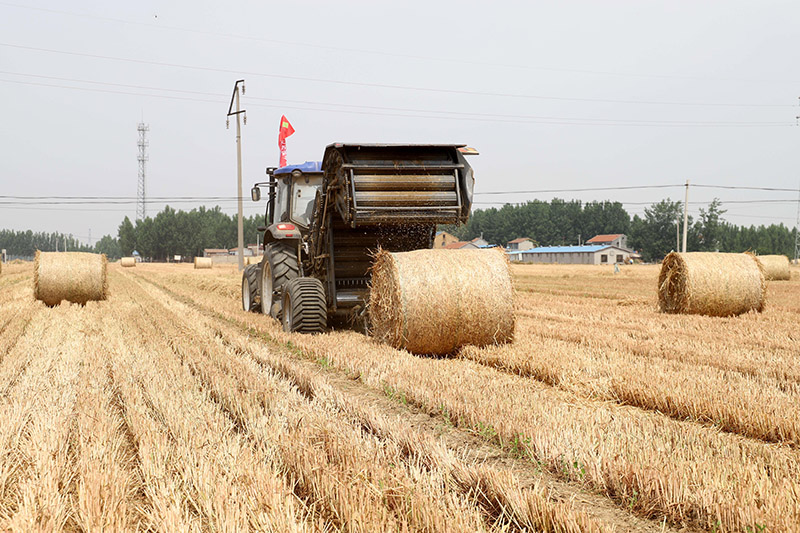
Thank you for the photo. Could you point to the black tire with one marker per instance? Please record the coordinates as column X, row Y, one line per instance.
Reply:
column 251, row 298
column 279, row 265
column 304, row 309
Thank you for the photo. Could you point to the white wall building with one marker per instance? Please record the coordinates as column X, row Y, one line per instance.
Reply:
column 587, row 255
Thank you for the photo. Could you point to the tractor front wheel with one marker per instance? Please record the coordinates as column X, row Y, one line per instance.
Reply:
column 279, row 265
column 251, row 302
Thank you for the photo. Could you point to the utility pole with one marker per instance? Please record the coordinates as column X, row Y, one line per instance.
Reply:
column 141, row 211
column 797, row 230
column 686, row 216
column 238, row 112
column 678, row 233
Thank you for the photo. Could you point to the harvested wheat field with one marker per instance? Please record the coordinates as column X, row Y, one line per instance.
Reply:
column 168, row 408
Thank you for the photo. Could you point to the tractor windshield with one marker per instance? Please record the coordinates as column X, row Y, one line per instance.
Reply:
column 303, row 194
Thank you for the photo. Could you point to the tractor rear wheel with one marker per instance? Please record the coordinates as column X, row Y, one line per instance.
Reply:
column 251, row 302
column 304, row 309
column 279, row 265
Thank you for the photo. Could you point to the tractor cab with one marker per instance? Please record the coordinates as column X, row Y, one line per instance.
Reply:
column 292, row 190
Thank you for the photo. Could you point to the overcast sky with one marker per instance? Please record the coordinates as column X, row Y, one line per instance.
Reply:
column 553, row 95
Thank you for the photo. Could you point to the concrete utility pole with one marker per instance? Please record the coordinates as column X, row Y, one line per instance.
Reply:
column 678, row 233
column 686, row 216
column 797, row 230
column 238, row 112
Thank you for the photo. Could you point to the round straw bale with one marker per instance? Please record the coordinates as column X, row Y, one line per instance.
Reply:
column 128, row 262
column 708, row 283
column 77, row 277
column 202, row 262
column 436, row 301
column 776, row 267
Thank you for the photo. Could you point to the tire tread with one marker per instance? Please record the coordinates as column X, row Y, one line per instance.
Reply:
column 308, row 307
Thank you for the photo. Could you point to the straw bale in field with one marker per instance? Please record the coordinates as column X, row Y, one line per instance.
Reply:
column 709, row 283
column 128, row 262
column 252, row 259
column 77, row 277
column 776, row 267
column 436, row 301
column 202, row 262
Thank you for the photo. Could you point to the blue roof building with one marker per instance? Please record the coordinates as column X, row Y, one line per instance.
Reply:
column 592, row 254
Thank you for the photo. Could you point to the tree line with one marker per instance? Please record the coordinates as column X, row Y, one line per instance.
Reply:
column 557, row 222
column 185, row 233
column 159, row 238
column 25, row 243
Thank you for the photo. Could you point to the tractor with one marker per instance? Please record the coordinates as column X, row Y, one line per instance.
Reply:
column 325, row 220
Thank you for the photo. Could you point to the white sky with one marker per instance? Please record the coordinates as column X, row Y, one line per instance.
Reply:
column 560, row 59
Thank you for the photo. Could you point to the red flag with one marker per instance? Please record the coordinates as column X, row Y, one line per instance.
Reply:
column 285, row 130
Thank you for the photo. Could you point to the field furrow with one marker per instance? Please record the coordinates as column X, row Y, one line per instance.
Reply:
column 37, row 462
column 109, row 495
column 12, row 279
column 652, row 335
column 424, row 496
column 198, row 472
column 14, row 321
column 754, row 407
column 642, row 460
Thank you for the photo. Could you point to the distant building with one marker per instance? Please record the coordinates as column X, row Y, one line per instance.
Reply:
column 443, row 238
column 461, row 245
column 247, row 251
column 479, row 242
column 214, row 252
column 523, row 243
column 591, row 254
column 612, row 239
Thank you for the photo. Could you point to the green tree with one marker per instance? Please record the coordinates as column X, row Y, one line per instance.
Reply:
column 709, row 227
column 108, row 245
column 654, row 235
column 127, row 237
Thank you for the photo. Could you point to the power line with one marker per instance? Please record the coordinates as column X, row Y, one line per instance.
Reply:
column 33, row 207
column 101, row 202
column 743, row 188
column 382, row 85
column 110, row 84
column 584, row 189
column 724, row 202
column 565, row 122
column 462, row 114
column 404, row 56
column 118, row 197
column 532, row 191
column 80, row 200
column 124, row 200
column 561, row 121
